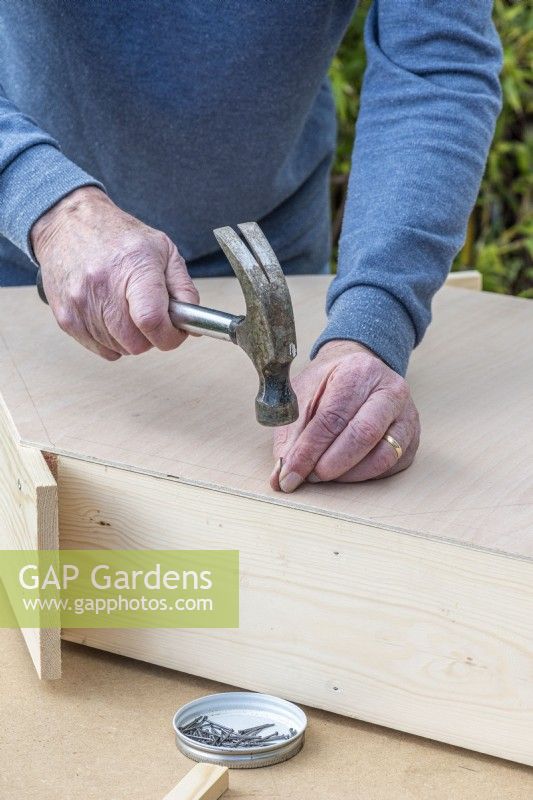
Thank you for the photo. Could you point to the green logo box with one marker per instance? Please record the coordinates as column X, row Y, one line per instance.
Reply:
column 119, row 588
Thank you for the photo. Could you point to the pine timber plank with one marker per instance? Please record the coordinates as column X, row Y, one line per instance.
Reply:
column 202, row 782
column 28, row 521
column 425, row 636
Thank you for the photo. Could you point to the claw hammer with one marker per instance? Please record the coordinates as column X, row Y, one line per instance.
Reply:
column 266, row 333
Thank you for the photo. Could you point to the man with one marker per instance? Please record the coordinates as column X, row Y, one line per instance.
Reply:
column 194, row 115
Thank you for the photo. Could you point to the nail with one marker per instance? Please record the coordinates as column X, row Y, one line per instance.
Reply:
column 277, row 469
column 312, row 478
column 290, row 481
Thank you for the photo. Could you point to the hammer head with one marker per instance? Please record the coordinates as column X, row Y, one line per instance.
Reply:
column 267, row 332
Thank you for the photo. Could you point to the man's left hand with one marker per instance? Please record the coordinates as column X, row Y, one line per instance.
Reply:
column 349, row 400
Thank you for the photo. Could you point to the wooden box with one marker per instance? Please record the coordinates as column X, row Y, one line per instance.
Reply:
column 407, row 602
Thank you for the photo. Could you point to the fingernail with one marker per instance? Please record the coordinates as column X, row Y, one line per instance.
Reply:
column 290, row 481
column 312, row 478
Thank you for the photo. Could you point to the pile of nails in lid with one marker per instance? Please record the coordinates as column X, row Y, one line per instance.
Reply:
column 205, row 731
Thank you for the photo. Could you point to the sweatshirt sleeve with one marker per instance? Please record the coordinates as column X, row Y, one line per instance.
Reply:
column 34, row 175
column 429, row 103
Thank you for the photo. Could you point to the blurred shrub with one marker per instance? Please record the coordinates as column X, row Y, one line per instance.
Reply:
column 499, row 239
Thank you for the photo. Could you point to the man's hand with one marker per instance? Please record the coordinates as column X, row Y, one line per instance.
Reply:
column 349, row 399
column 108, row 277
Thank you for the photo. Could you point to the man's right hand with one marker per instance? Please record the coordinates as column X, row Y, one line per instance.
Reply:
column 108, row 276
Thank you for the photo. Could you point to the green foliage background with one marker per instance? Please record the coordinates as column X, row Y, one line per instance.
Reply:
column 499, row 241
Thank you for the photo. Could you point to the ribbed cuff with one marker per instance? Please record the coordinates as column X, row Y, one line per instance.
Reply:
column 373, row 317
column 34, row 182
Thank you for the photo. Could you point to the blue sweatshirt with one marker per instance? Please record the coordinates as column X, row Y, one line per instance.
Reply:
column 201, row 113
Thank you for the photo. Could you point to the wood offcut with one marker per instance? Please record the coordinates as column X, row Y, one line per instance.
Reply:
column 203, row 782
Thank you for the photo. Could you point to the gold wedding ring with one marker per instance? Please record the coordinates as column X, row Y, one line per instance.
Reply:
column 397, row 446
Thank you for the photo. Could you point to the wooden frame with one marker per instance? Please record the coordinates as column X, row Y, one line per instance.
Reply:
column 425, row 636
column 28, row 521
column 406, row 602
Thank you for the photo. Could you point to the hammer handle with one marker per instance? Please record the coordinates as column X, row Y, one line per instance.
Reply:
column 188, row 317
column 207, row 321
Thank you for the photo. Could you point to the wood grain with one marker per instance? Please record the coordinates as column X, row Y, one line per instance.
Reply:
column 421, row 635
column 407, row 602
column 189, row 414
column 28, row 521
column 202, row 782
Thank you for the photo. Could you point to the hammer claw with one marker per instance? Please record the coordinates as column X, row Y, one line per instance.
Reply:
column 260, row 247
column 241, row 259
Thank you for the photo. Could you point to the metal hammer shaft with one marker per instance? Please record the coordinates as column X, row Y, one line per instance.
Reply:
column 208, row 321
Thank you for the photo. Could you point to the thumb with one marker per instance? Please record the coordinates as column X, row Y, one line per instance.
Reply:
column 179, row 282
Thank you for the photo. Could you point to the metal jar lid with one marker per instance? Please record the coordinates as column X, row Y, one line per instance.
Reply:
column 237, row 712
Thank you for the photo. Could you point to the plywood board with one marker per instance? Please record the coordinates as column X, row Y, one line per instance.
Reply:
column 421, row 635
column 189, row 414
column 466, row 279
column 28, row 521
column 116, row 742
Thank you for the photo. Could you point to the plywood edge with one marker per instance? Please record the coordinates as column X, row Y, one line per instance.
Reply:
column 29, row 521
column 466, row 279
column 29, row 456
column 277, row 500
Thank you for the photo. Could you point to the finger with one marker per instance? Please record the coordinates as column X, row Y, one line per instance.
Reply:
column 334, row 403
column 360, row 436
column 148, row 300
column 283, row 439
column 100, row 350
column 99, row 333
column 335, row 427
column 70, row 322
column 286, row 435
column 407, row 458
column 85, row 307
column 121, row 329
column 179, row 282
column 383, row 459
